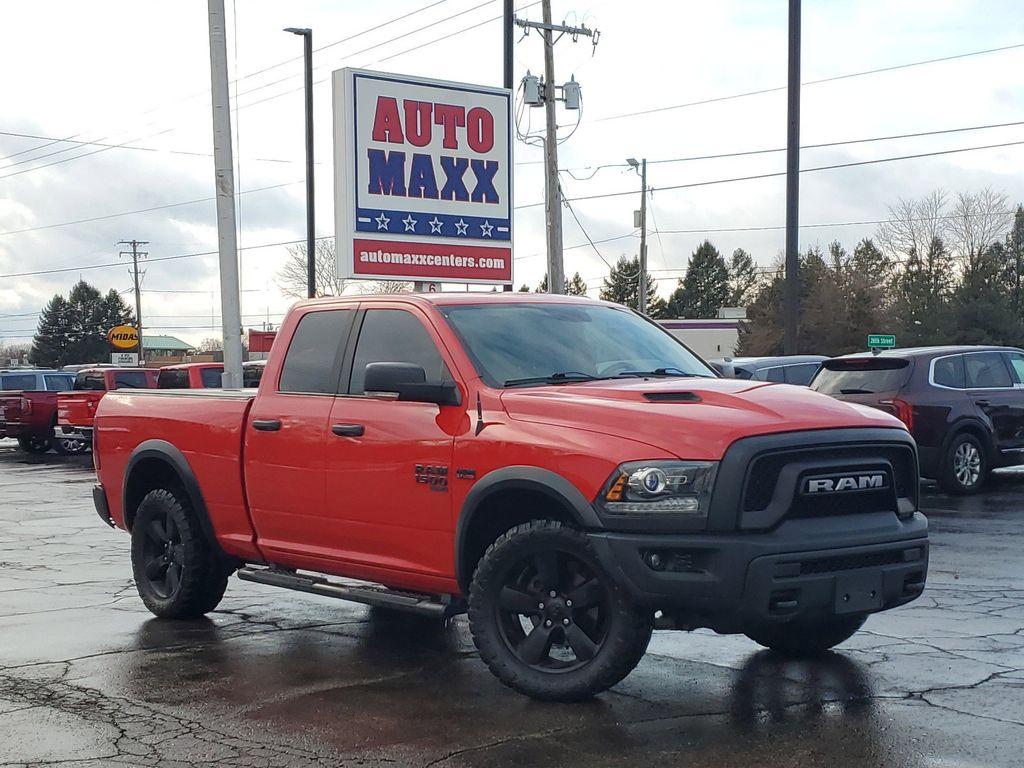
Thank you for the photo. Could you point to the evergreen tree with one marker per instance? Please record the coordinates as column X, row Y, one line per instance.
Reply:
column 524, row 288
column 1013, row 272
column 576, row 286
column 921, row 296
column 542, row 286
column 623, row 285
column 704, row 289
column 742, row 279
column 982, row 304
column 53, row 344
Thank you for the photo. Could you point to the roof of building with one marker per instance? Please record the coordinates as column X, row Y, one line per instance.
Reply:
column 165, row 342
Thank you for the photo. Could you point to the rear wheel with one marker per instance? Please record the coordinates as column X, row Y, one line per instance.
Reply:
column 801, row 638
column 177, row 572
column 548, row 620
column 965, row 466
column 35, row 443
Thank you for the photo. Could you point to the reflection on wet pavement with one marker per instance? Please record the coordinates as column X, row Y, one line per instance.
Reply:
column 88, row 677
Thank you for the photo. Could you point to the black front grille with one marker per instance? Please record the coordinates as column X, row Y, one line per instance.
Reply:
column 764, row 471
column 850, row 562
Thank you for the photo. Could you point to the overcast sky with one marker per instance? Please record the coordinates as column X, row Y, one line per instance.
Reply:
column 138, row 72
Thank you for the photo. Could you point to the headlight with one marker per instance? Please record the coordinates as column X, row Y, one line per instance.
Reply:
column 661, row 487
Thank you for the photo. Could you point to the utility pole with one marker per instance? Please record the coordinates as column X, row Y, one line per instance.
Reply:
column 136, row 254
column 792, row 295
column 642, row 223
column 230, row 309
column 556, row 269
column 307, row 47
column 570, row 94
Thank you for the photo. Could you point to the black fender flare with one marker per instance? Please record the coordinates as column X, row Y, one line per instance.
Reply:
column 175, row 459
column 520, row 477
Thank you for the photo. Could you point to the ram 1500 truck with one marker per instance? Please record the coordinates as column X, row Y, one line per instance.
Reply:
column 562, row 469
column 77, row 408
column 28, row 409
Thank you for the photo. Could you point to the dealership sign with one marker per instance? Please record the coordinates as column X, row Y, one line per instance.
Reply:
column 423, row 179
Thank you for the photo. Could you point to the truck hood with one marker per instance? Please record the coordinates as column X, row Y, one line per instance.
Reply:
column 689, row 418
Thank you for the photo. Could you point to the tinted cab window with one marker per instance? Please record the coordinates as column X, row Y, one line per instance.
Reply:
column 19, row 381
column 210, row 377
column 311, row 364
column 172, row 379
column 131, row 380
column 89, row 381
column 949, row 371
column 58, row 382
column 395, row 336
column 801, row 373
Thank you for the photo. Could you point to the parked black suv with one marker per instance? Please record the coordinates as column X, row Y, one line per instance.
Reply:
column 963, row 405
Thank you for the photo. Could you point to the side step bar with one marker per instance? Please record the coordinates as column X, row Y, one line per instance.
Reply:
column 368, row 595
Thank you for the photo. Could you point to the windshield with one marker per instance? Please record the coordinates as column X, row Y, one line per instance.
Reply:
column 861, row 376
column 511, row 343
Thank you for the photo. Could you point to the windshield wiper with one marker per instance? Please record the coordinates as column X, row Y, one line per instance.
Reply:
column 561, row 377
column 855, row 391
column 668, row 371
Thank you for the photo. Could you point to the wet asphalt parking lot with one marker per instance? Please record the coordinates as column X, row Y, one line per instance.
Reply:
column 277, row 678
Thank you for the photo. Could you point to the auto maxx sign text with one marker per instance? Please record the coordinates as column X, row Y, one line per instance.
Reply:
column 423, row 179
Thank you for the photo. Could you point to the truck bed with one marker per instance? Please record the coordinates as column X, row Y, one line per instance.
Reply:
column 206, row 426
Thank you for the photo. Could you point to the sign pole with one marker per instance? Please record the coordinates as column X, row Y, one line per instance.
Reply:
column 230, row 309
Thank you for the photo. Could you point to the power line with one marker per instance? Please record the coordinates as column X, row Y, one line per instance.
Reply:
column 144, row 210
column 783, row 173
column 585, row 233
column 819, row 81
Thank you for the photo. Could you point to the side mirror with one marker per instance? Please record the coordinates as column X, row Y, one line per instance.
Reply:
column 408, row 382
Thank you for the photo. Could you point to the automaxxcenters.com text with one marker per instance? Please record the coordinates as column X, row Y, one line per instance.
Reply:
column 431, row 260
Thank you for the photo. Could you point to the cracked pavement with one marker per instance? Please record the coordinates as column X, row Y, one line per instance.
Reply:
column 275, row 678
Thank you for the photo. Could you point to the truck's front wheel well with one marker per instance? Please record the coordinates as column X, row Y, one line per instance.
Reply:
column 147, row 475
column 499, row 512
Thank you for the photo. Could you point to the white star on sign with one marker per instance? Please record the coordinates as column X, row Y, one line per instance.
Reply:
column 461, row 227
column 382, row 221
column 486, row 228
column 435, row 226
column 410, row 223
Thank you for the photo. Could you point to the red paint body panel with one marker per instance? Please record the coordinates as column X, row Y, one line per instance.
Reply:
column 303, row 497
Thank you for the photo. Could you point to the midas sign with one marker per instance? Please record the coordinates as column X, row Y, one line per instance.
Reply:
column 423, row 179
column 123, row 337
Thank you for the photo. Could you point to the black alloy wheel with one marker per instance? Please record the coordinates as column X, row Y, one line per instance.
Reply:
column 163, row 556
column 553, row 611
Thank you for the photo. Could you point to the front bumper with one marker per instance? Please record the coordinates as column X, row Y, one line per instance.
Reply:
column 805, row 569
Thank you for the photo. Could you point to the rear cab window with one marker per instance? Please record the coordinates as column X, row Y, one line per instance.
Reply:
column 58, row 382
column 176, row 379
column 210, row 377
column 19, row 381
column 89, row 381
column 311, row 365
column 861, row 375
column 131, row 380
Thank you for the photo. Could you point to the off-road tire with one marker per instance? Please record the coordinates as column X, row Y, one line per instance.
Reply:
column 203, row 576
column 35, row 443
column 948, row 477
column 799, row 639
column 627, row 628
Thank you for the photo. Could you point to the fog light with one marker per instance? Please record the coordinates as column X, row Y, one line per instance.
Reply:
column 655, row 561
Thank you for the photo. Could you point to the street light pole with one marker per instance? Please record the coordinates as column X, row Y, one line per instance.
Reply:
column 307, row 35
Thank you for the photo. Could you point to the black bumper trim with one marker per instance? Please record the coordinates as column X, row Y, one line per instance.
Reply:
column 735, row 581
column 99, row 500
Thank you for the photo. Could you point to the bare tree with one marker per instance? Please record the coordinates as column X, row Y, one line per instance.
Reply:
column 292, row 277
column 913, row 225
column 10, row 352
column 978, row 220
column 383, row 286
column 210, row 345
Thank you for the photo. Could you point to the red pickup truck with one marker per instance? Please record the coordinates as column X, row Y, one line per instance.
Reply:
column 190, row 376
column 28, row 408
column 76, row 409
column 562, row 469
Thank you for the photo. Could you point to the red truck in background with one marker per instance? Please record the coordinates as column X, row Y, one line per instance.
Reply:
column 76, row 409
column 190, row 376
column 562, row 469
column 28, row 408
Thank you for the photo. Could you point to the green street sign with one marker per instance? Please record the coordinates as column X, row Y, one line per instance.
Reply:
column 881, row 341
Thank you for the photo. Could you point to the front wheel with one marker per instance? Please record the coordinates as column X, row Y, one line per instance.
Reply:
column 35, row 443
column 177, row 572
column 548, row 620
column 801, row 638
column 965, row 466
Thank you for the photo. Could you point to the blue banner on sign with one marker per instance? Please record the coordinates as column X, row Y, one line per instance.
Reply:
column 431, row 224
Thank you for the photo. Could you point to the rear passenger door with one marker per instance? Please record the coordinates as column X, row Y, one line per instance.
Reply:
column 1015, row 404
column 285, row 437
column 991, row 386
